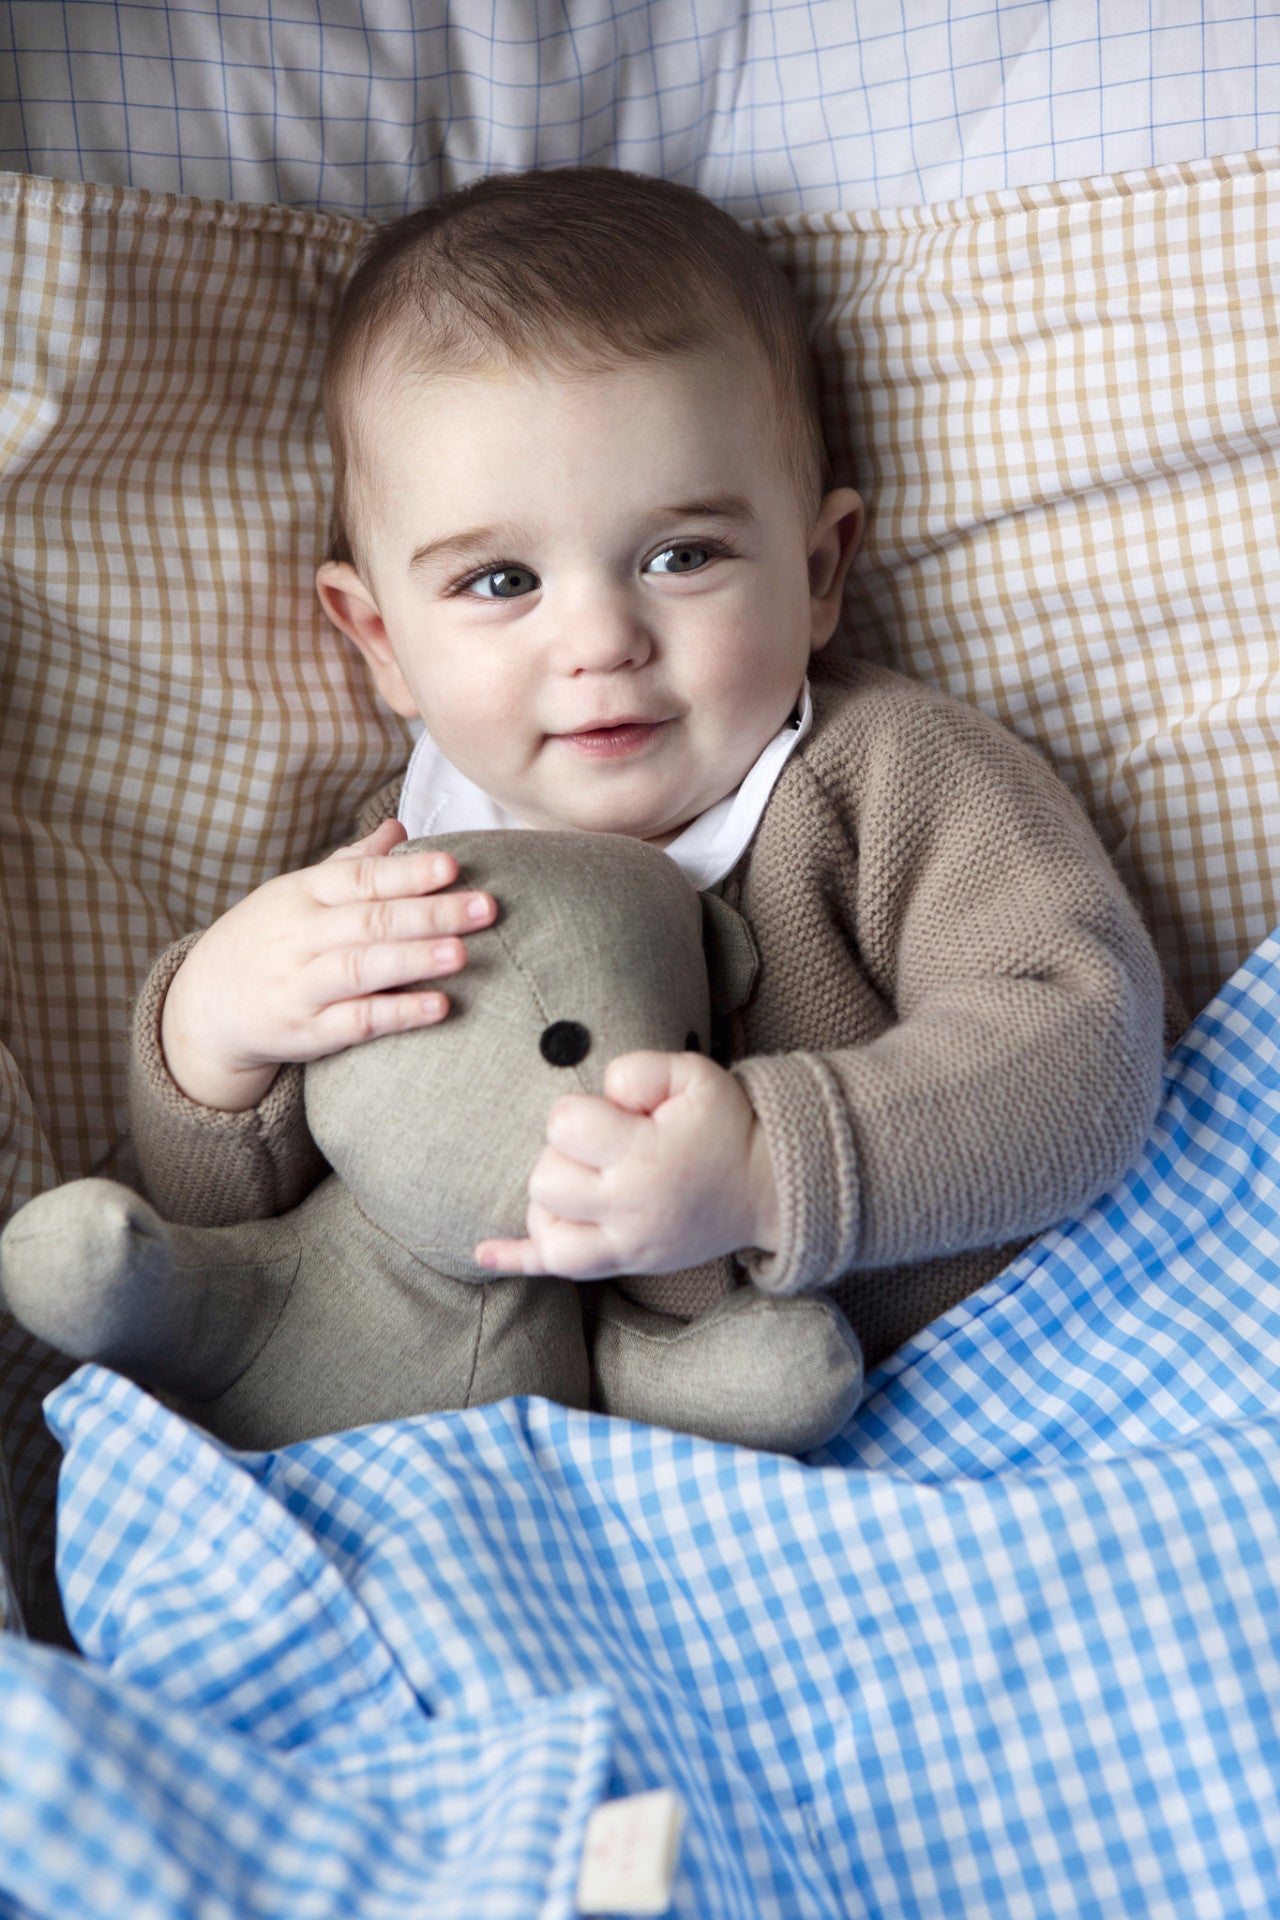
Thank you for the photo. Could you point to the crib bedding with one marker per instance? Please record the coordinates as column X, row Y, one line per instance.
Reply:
column 1070, row 524
column 1103, row 578
column 157, row 762
column 1010, row 1645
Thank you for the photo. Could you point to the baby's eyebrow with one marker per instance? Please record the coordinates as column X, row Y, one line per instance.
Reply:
column 721, row 506
column 484, row 539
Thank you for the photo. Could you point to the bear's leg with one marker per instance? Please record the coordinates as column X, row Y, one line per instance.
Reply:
column 93, row 1270
column 779, row 1374
column 370, row 1332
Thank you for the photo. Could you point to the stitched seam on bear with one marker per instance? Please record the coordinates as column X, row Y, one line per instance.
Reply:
column 420, row 1256
column 774, row 1308
column 375, row 1226
column 475, row 1351
column 205, row 1399
column 544, row 1011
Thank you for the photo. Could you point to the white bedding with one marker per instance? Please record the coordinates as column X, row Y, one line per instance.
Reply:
column 769, row 106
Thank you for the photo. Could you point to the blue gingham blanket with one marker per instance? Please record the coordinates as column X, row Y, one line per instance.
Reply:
column 1011, row 1646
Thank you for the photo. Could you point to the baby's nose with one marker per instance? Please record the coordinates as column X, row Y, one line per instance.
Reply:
column 607, row 632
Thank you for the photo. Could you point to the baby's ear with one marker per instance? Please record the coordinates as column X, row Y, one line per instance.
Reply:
column 837, row 535
column 353, row 610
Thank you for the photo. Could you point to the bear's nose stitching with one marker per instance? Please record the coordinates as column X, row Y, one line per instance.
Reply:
column 564, row 1043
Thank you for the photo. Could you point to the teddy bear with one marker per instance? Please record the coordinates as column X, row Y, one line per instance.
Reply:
column 365, row 1303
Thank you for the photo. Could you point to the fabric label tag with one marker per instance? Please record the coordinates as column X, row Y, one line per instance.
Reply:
column 629, row 1854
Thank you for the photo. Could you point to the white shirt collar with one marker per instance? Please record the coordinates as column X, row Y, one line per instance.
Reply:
column 437, row 798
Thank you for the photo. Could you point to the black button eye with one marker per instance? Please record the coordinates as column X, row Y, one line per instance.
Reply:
column 692, row 1044
column 564, row 1043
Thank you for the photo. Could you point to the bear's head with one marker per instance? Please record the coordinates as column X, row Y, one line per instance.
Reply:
column 596, row 950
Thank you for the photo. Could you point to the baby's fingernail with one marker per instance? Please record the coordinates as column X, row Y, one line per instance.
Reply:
column 477, row 907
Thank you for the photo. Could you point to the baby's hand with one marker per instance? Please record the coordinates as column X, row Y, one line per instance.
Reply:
column 669, row 1169
column 301, row 967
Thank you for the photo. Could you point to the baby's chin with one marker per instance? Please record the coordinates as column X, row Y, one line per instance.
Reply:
column 658, row 824
column 657, row 836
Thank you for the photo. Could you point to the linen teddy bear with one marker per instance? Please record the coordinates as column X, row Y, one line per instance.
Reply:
column 364, row 1302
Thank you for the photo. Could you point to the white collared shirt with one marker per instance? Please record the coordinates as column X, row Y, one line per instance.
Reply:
column 437, row 798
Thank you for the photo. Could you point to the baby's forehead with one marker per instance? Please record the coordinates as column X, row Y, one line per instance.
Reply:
column 712, row 423
column 414, row 366
column 728, row 379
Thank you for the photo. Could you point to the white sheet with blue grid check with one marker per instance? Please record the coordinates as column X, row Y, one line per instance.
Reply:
column 770, row 106
column 1011, row 1647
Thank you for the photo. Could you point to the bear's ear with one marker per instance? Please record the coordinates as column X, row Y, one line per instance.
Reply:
column 733, row 960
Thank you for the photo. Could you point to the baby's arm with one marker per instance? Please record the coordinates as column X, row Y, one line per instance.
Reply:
column 211, row 1165
column 1021, row 1068
column 313, row 962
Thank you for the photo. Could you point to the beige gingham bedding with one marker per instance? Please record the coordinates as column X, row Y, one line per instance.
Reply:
column 1062, row 403
column 177, row 720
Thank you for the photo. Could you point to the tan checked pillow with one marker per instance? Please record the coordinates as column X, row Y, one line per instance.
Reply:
column 1063, row 403
column 178, row 719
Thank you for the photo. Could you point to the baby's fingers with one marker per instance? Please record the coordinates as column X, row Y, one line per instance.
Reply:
column 592, row 1131
column 509, row 1256
column 365, row 871
column 566, row 1189
column 390, row 922
column 349, row 1023
column 567, row 1248
column 354, row 971
column 387, row 834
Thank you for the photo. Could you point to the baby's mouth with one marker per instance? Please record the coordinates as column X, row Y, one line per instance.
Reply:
column 613, row 742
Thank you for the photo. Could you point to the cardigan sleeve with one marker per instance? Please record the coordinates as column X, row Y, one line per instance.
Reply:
column 1017, row 1065
column 202, row 1167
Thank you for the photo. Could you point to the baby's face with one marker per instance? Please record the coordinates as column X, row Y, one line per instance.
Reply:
column 599, row 592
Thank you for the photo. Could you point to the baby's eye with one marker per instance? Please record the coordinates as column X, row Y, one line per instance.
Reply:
column 502, row 583
column 686, row 558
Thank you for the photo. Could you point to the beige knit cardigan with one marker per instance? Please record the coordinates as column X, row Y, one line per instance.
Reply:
column 952, row 1040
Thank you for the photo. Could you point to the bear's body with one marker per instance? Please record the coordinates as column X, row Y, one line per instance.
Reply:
column 365, row 1302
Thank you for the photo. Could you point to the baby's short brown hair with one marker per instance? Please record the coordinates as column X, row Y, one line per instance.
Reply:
column 573, row 267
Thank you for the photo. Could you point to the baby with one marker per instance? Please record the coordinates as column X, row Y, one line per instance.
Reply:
column 582, row 532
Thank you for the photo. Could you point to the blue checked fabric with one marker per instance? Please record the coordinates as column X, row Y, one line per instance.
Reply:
column 1011, row 1647
column 769, row 106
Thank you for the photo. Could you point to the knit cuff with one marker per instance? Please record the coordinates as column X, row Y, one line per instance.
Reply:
column 378, row 807
column 806, row 1125
column 202, row 1166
